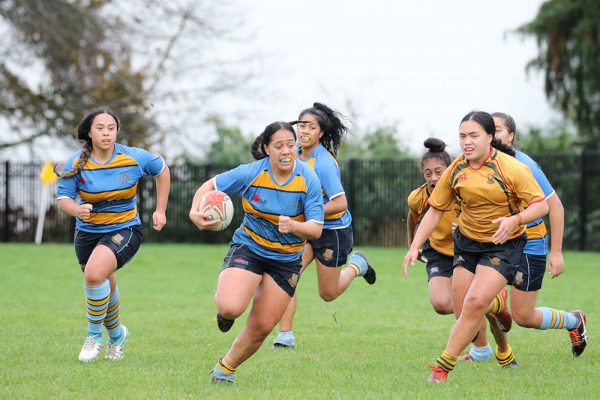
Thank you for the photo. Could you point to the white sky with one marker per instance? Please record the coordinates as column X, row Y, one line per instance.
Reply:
column 421, row 64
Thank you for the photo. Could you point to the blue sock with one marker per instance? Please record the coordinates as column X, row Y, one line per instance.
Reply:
column 286, row 338
column 112, row 320
column 557, row 319
column 481, row 353
column 358, row 263
column 97, row 303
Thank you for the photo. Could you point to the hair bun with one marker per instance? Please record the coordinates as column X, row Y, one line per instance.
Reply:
column 434, row 144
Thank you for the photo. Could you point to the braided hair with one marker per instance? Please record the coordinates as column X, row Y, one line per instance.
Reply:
column 83, row 134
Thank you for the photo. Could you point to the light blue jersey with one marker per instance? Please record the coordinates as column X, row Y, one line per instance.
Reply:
column 264, row 200
column 110, row 187
column 537, row 238
column 328, row 172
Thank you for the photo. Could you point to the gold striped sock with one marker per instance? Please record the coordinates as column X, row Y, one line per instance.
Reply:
column 497, row 304
column 505, row 358
column 447, row 361
column 225, row 367
column 355, row 268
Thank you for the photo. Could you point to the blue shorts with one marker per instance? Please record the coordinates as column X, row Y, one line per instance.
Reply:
column 531, row 272
column 333, row 247
column 438, row 264
column 124, row 243
column 504, row 258
column 285, row 274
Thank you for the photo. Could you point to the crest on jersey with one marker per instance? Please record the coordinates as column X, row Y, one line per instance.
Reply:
column 490, row 180
column 293, row 281
column 495, row 260
column 123, row 177
column 462, row 178
column 117, row 239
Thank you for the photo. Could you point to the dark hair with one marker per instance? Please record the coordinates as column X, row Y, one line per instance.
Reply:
column 510, row 123
column 487, row 123
column 436, row 150
column 331, row 123
column 264, row 138
column 83, row 134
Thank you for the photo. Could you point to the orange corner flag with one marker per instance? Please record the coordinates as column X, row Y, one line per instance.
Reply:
column 47, row 174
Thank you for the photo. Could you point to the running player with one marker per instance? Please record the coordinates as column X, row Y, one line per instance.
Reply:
column 105, row 175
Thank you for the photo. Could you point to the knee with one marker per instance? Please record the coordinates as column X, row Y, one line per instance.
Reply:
column 93, row 277
column 228, row 309
column 328, row 295
column 441, row 307
column 523, row 318
column 474, row 305
column 261, row 329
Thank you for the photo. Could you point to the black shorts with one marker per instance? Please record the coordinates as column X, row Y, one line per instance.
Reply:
column 438, row 264
column 285, row 274
column 333, row 247
column 124, row 243
column 531, row 272
column 504, row 258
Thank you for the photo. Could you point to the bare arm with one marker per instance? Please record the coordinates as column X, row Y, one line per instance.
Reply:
column 411, row 226
column 508, row 224
column 556, row 263
column 199, row 219
column 70, row 207
column 336, row 205
column 305, row 230
column 426, row 227
column 163, row 187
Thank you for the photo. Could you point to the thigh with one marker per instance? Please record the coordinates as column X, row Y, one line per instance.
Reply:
column 486, row 284
column 270, row 302
column 101, row 264
column 307, row 256
column 328, row 277
column 124, row 243
column 440, row 290
column 236, row 287
column 461, row 281
column 522, row 303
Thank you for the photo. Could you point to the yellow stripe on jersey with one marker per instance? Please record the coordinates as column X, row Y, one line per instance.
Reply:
column 335, row 216
column 537, row 231
column 111, row 218
column 120, row 160
column 272, row 218
column 297, row 184
column 112, row 195
column 274, row 246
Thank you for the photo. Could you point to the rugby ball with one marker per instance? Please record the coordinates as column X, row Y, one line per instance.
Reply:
column 218, row 206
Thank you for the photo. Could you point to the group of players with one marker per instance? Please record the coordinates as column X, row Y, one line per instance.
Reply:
column 296, row 211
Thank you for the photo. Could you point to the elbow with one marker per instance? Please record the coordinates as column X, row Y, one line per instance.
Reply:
column 316, row 233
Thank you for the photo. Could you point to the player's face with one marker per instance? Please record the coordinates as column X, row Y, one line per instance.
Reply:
column 474, row 141
column 433, row 168
column 309, row 131
column 103, row 132
column 282, row 150
column 502, row 132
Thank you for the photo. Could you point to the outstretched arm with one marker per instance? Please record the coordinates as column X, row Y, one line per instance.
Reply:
column 426, row 227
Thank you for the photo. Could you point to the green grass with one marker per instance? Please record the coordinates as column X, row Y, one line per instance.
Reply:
column 373, row 342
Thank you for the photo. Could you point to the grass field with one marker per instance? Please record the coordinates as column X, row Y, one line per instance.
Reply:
column 373, row 342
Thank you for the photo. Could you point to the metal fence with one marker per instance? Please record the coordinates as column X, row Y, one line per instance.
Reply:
column 376, row 192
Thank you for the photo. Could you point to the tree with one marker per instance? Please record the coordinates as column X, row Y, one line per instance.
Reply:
column 568, row 37
column 555, row 137
column 378, row 143
column 67, row 46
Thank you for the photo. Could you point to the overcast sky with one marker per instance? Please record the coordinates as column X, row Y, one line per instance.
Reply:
column 422, row 64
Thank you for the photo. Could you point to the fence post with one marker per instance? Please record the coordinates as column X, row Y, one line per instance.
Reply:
column 583, row 206
column 351, row 190
column 6, row 233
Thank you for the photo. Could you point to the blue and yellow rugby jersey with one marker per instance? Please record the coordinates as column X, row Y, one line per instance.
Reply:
column 328, row 172
column 537, row 239
column 501, row 186
column 264, row 201
column 111, row 187
column 441, row 238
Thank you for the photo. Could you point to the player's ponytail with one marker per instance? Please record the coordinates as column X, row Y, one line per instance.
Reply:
column 331, row 123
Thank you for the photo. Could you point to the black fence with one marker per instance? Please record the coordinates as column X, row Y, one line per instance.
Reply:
column 376, row 192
